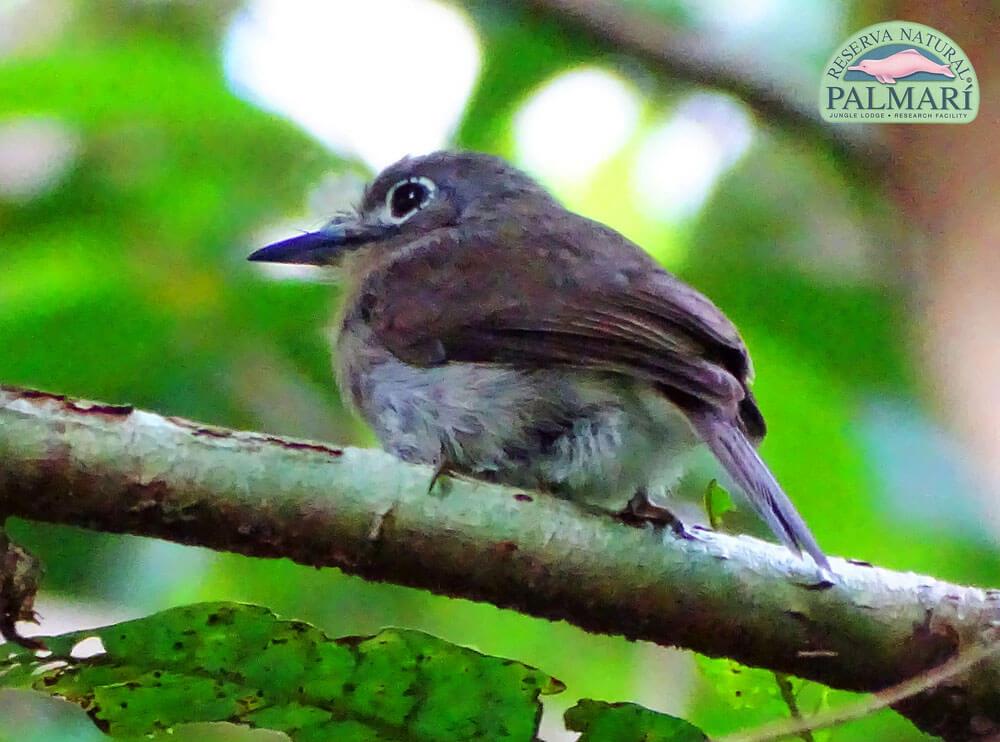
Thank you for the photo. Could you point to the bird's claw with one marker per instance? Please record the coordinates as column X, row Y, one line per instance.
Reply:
column 641, row 511
column 443, row 469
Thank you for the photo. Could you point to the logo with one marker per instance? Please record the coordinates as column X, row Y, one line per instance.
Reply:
column 899, row 73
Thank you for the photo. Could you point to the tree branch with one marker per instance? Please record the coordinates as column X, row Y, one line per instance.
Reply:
column 121, row 470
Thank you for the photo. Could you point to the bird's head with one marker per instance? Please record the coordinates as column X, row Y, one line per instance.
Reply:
column 411, row 199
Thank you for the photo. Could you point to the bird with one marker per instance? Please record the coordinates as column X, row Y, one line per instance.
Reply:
column 487, row 331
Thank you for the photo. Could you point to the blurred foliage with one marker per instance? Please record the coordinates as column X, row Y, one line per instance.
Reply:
column 124, row 280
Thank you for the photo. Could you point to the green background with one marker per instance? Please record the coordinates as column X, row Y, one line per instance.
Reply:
column 124, row 280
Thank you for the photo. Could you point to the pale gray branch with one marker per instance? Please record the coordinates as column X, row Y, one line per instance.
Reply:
column 117, row 469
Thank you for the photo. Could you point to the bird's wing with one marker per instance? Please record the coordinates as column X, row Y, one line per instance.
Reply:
column 541, row 300
column 536, row 299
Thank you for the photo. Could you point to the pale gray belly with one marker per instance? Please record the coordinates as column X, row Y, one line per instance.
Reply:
column 591, row 437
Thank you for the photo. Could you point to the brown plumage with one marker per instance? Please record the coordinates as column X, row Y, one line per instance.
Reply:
column 565, row 337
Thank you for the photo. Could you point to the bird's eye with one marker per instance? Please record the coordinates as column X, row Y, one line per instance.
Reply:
column 407, row 197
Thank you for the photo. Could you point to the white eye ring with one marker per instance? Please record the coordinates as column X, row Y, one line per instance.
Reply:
column 429, row 187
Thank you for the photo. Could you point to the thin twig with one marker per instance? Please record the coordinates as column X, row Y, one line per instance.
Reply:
column 788, row 696
column 868, row 706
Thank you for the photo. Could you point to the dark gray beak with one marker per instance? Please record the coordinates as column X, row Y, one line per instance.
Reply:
column 322, row 247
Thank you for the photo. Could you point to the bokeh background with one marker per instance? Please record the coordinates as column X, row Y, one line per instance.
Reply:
column 146, row 147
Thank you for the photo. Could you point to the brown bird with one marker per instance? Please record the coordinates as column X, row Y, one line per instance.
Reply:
column 487, row 330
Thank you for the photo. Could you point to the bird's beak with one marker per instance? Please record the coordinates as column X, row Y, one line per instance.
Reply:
column 322, row 247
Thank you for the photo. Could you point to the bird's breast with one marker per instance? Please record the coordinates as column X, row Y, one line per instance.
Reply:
column 589, row 436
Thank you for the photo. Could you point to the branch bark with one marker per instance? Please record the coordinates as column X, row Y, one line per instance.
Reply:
column 121, row 470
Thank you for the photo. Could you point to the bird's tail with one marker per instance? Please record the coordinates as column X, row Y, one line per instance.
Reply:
column 748, row 470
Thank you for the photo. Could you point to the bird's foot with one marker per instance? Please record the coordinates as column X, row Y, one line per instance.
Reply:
column 443, row 468
column 641, row 511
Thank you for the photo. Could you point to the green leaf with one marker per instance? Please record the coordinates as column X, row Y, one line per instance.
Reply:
column 240, row 663
column 718, row 502
column 628, row 722
column 743, row 690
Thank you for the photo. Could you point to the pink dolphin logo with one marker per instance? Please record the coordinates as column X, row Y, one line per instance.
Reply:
column 900, row 64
